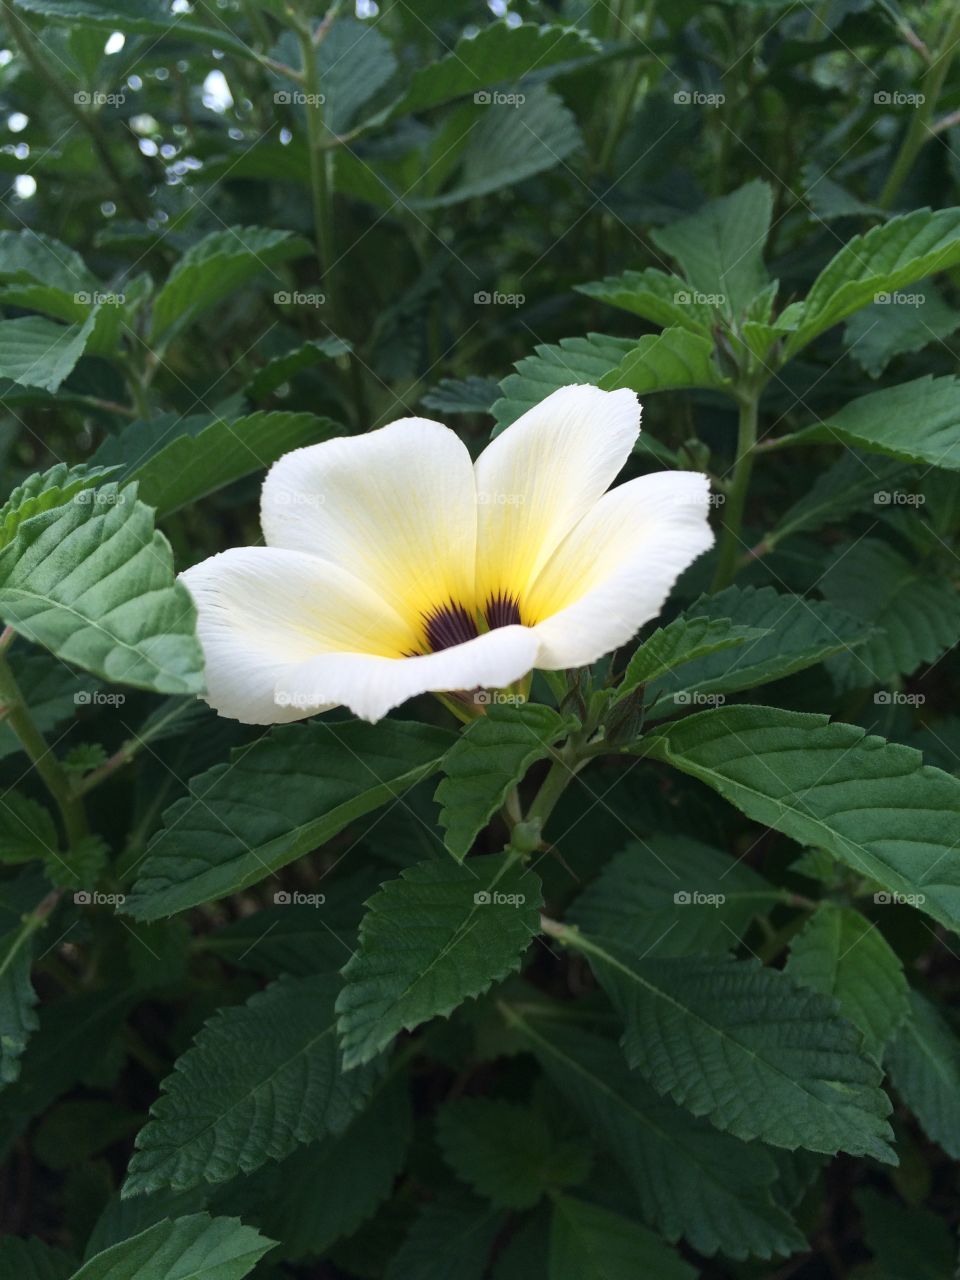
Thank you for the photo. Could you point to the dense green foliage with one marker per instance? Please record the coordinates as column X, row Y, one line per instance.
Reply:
column 650, row 975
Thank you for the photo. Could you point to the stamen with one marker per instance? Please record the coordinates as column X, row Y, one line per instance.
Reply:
column 501, row 611
column 449, row 625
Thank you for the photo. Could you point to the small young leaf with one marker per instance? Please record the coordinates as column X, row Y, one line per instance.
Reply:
column 195, row 1248
column 588, row 1242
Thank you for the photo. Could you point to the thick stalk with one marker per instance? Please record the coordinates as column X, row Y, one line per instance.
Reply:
column 565, row 767
column 919, row 131
column 737, row 496
column 20, row 720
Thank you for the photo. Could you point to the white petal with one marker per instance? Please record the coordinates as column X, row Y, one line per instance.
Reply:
column 371, row 686
column 541, row 475
column 615, row 570
column 395, row 507
column 263, row 611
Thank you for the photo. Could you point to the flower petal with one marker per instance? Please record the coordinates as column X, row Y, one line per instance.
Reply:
column 541, row 475
column 395, row 507
column 614, row 571
column 263, row 611
column 371, row 686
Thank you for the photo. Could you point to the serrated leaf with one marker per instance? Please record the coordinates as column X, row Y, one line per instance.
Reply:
column 653, row 294
column 672, row 896
column 882, row 260
column 29, row 256
column 843, row 955
column 354, row 60
column 36, row 352
column 669, row 361
column 588, row 1242
column 850, row 485
column 683, row 640
column 195, row 458
column 93, row 581
column 873, row 804
column 439, row 934
column 276, row 800
column 917, row 421
column 215, row 267
column 260, row 1079
column 720, row 247
column 886, row 329
column 490, row 757
column 152, row 17
column 462, row 395
column 691, row 1180
column 44, row 490
column 914, row 615
column 746, row 1047
column 923, row 1060
column 572, row 360
column 798, row 634
column 27, row 830
column 496, row 55
column 281, row 368
column 507, row 1152
column 194, row 1248
column 451, row 1239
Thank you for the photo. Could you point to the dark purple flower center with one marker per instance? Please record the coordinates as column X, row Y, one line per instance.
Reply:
column 454, row 624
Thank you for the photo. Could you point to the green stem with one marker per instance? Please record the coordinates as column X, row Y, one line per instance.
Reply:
column 44, row 761
column 565, row 767
column 737, row 496
column 918, row 131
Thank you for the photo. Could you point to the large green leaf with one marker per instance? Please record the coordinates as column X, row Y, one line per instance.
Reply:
column 842, row 954
column 655, row 295
column 720, row 247
column 588, row 1242
column 452, row 1239
column 354, row 60
column 43, row 490
column 747, row 1047
column 497, row 54
column 796, row 633
column 194, row 1248
column 916, row 421
column 177, row 464
column 215, row 267
column 508, row 1153
column 439, row 934
column 924, row 1064
column 850, row 485
column 572, row 360
column 92, row 580
column 29, row 256
column 36, row 352
column 883, row 260
column 691, row 1180
column 872, row 804
column 259, row 1079
column 914, row 615
column 289, row 792
column 672, row 896
column 492, row 755
column 683, row 640
column 887, row 328
column 667, row 361
column 152, row 17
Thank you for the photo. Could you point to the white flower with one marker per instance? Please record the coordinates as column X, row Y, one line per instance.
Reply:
column 396, row 566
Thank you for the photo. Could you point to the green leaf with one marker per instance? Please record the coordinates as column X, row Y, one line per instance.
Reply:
column 882, row 260
column 843, row 955
column 18, row 1000
column 506, row 1152
column 720, row 247
column 276, row 800
column 683, row 640
column 452, row 1239
column 354, row 1172
column 908, row 1243
column 44, row 490
column 917, row 421
column 691, row 1180
column 588, row 1242
column 653, row 294
column 33, row 1260
column 572, row 360
column 281, row 368
column 36, row 352
column 745, row 1046
column 924, row 1065
column 673, row 896
column 914, row 615
column 490, row 757
column 152, row 17
column 354, row 60
column 797, row 633
column 215, row 267
column 194, row 1248
column 872, row 804
column 667, row 361
column 259, row 1079
column 93, row 581
column 849, row 485
column 31, row 257
column 886, row 329
column 439, row 934
column 200, row 457
column 496, row 55
column 27, row 830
